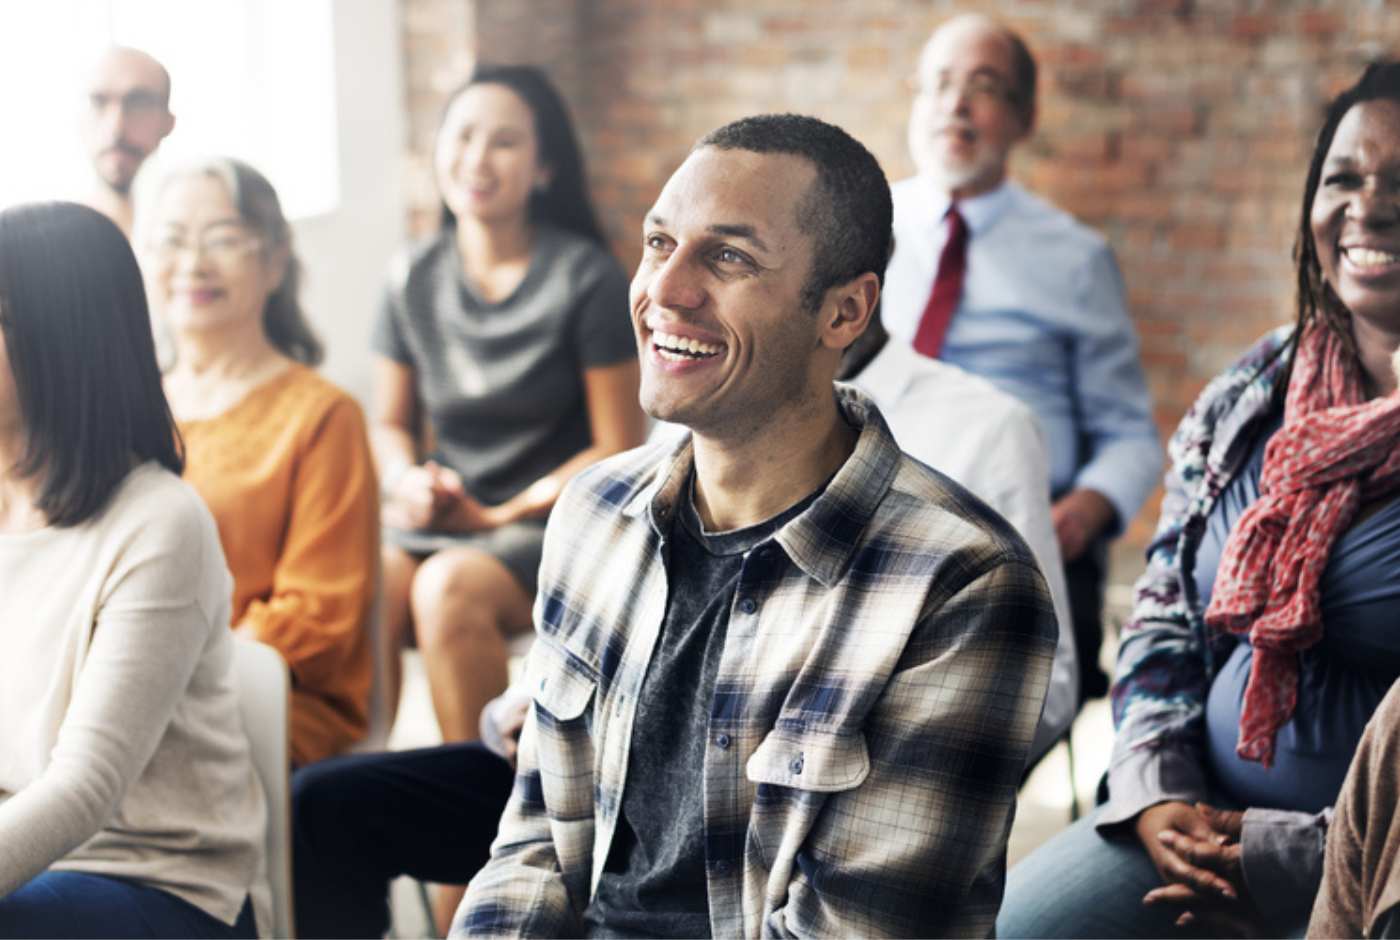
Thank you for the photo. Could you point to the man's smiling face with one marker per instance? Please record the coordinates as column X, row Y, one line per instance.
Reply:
column 725, row 340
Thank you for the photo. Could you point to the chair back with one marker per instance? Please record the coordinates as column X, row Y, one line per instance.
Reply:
column 381, row 710
column 264, row 690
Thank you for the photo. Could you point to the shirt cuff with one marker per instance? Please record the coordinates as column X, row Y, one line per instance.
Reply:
column 1122, row 486
column 490, row 725
column 1281, row 852
column 1149, row 776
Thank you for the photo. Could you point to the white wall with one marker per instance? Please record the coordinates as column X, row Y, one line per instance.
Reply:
column 347, row 252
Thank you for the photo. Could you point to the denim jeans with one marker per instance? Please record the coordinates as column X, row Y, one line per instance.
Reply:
column 1081, row 884
column 77, row 904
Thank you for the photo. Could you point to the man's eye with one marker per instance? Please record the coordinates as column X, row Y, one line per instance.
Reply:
column 1340, row 179
column 730, row 256
column 655, row 242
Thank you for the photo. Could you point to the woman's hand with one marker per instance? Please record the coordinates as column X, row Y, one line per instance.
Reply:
column 457, row 510
column 413, row 501
column 1197, row 851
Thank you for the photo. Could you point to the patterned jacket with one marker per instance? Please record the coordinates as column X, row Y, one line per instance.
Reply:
column 887, row 655
column 1167, row 659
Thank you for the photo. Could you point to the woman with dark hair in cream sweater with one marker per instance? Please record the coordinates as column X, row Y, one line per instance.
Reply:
column 128, row 801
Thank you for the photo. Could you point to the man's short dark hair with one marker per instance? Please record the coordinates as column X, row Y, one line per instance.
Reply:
column 79, row 345
column 847, row 211
column 1024, row 77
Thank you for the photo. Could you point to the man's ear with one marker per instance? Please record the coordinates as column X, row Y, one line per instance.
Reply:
column 847, row 310
column 1028, row 118
column 169, row 125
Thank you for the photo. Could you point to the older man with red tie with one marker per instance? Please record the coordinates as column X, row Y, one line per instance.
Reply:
column 991, row 278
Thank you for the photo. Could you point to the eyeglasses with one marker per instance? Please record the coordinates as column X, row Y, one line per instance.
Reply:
column 139, row 102
column 979, row 86
column 222, row 245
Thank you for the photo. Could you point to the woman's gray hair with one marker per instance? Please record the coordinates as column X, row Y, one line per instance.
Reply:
column 284, row 322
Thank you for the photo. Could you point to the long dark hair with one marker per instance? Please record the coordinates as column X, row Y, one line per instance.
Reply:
column 564, row 202
column 1317, row 303
column 284, row 321
column 78, row 341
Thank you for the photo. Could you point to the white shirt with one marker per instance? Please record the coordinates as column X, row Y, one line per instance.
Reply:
column 965, row 428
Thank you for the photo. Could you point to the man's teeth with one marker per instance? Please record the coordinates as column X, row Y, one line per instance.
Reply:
column 683, row 347
column 1370, row 257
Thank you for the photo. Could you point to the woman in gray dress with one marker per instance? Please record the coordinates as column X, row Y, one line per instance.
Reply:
column 505, row 364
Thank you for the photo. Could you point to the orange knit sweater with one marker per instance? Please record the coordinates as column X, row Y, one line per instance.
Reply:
column 288, row 476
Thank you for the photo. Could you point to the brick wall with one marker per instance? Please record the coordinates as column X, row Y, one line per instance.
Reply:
column 1179, row 128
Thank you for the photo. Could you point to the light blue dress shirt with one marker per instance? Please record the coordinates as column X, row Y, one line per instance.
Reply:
column 1043, row 317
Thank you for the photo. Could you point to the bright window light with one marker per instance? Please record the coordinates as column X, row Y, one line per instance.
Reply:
column 253, row 79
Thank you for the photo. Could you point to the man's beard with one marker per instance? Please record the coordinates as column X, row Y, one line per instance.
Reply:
column 117, row 182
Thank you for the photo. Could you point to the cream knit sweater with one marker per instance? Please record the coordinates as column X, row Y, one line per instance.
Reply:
column 121, row 747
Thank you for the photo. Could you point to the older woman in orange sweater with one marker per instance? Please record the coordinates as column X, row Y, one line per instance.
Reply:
column 280, row 455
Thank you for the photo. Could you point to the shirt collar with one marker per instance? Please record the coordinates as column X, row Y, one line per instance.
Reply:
column 979, row 212
column 822, row 539
column 887, row 375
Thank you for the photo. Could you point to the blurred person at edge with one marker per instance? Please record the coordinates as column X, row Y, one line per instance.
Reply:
column 991, row 278
column 126, row 118
column 280, row 455
column 1262, row 637
column 129, row 806
column 505, row 364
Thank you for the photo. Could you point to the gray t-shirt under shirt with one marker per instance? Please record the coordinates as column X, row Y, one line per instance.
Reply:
column 654, row 882
column 502, row 382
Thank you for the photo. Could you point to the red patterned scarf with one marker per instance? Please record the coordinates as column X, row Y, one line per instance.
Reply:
column 1335, row 452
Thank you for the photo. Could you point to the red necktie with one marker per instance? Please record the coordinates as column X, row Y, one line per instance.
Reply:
column 947, row 288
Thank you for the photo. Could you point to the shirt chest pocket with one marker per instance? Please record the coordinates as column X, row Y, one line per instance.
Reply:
column 815, row 760
column 561, row 685
column 563, row 689
column 796, row 772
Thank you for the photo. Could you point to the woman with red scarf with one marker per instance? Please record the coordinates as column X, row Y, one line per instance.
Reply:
column 1263, row 632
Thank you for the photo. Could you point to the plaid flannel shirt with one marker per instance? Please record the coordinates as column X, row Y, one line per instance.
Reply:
column 885, row 665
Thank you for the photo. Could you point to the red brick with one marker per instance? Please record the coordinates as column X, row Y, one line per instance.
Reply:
column 1181, row 129
column 1319, row 23
column 1253, row 26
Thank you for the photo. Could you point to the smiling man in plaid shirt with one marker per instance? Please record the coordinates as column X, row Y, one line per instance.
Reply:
column 786, row 677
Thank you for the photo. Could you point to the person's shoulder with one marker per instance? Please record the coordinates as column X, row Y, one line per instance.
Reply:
column 956, row 391
column 154, row 506
column 317, row 390
column 1035, row 214
column 1264, row 349
column 905, row 189
column 932, row 524
column 418, row 259
column 910, row 197
column 952, row 510
column 579, row 259
column 615, row 481
column 1258, row 368
column 306, row 399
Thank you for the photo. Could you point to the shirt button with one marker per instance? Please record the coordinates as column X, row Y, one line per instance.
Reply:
column 796, row 765
column 721, row 867
column 748, row 605
column 722, row 742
